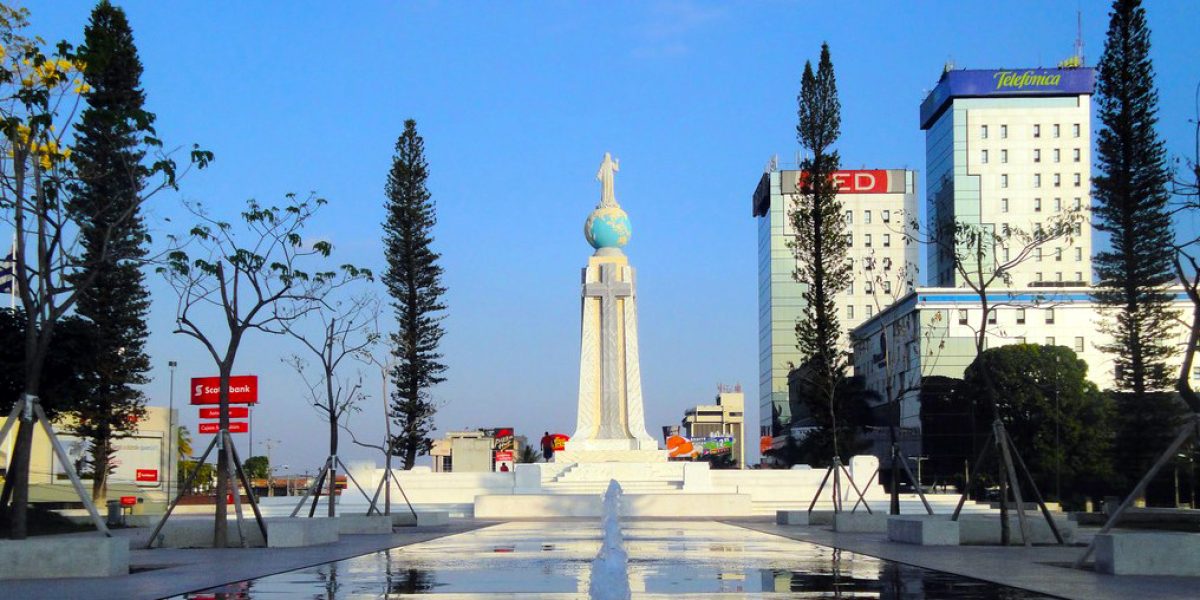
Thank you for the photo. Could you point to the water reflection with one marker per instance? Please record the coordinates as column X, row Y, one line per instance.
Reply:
column 552, row 560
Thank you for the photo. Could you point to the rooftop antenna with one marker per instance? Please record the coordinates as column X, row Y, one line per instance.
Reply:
column 1079, row 36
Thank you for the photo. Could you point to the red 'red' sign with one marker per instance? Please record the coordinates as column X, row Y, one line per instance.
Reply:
column 235, row 412
column 873, row 181
column 148, row 475
column 128, row 500
column 234, row 427
column 243, row 389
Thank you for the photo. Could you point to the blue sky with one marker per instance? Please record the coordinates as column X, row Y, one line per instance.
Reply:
column 517, row 104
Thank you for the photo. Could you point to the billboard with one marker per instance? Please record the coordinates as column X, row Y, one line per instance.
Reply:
column 863, row 181
column 138, row 459
column 243, row 389
column 681, row 448
column 973, row 83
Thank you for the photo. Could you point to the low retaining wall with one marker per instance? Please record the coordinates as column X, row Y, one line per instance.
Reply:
column 860, row 522
column 922, row 531
column 57, row 557
column 357, row 524
column 298, row 532
column 985, row 529
column 1148, row 553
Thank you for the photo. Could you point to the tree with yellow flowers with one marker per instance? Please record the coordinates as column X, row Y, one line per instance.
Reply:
column 42, row 90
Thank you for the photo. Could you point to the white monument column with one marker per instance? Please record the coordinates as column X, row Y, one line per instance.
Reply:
column 611, row 425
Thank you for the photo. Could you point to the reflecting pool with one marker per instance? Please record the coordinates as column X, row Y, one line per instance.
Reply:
column 552, row 560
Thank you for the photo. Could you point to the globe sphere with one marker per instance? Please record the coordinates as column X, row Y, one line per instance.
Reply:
column 607, row 227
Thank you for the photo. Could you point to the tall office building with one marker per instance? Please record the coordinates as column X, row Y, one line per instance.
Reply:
column 1010, row 149
column 879, row 205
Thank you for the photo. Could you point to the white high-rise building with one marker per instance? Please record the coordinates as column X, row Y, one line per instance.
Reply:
column 879, row 205
column 1010, row 148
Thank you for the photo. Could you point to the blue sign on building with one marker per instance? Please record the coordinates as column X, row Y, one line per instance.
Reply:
column 1007, row 83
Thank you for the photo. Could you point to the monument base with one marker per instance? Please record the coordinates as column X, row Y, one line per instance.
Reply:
column 610, row 456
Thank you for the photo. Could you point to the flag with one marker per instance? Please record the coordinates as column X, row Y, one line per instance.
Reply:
column 7, row 281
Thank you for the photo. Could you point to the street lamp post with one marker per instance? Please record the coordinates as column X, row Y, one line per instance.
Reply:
column 173, row 439
column 270, row 443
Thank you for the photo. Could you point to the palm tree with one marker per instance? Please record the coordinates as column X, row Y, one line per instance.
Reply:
column 183, row 443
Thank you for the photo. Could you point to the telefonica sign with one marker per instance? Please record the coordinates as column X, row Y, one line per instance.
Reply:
column 1004, row 82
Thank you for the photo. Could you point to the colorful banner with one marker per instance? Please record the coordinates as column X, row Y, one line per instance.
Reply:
column 243, row 389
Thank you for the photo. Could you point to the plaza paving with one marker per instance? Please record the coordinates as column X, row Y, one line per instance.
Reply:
column 168, row 572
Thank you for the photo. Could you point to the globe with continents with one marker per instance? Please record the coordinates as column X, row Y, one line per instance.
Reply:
column 608, row 227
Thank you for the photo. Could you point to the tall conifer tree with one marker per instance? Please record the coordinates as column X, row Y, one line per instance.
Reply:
column 1131, row 206
column 820, row 245
column 413, row 279
column 108, row 162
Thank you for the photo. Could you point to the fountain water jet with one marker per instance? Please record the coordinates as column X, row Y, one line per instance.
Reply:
column 610, row 569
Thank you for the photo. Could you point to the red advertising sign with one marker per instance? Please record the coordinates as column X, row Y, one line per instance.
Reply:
column 234, row 427
column 871, row 181
column 235, row 412
column 243, row 389
column 128, row 500
column 146, row 475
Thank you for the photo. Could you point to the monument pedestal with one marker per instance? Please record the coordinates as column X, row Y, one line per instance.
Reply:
column 610, row 456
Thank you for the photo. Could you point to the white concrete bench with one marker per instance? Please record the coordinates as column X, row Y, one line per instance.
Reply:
column 193, row 532
column 860, row 522
column 1148, row 553
column 985, row 529
column 355, row 524
column 922, row 531
column 803, row 517
column 74, row 556
column 424, row 518
column 299, row 532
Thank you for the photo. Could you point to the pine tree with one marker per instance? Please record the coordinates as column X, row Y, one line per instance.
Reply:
column 820, row 245
column 108, row 162
column 1131, row 206
column 413, row 279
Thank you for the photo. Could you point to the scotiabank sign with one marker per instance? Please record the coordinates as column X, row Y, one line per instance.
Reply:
column 243, row 389
column 873, row 181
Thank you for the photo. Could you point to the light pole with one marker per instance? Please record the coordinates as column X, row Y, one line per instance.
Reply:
column 173, row 439
column 270, row 443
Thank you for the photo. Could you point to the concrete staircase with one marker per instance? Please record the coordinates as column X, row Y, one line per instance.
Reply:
column 593, row 478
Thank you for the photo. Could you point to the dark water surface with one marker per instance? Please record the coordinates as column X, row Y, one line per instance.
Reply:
column 667, row 559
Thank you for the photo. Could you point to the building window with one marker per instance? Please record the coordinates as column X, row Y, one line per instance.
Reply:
column 1004, row 156
column 887, row 263
column 1058, row 276
column 1076, row 129
column 1049, row 340
column 983, row 131
column 983, row 157
column 1049, row 313
column 1020, row 316
column 1003, row 132
column 887, row 216
column 1195, row 372
column 850, row 311
column 1037, row 205
column 1037, row 155
column 992, row 317
column 1021, row 340
column 870, row 310
column 1077, row 230
column 1037, row 253
column 1004, row 230
column 1079, row 254
column 1037, row 131
column 850, row 288
column 866, row 240
column 1058, row 258
column 1037, row 276
column 1057, row 154
column 868, row 263
column 1077, row 154
column 866, row 216
column 1006, row 254
column 849, row 216
column 850, row 240
column 1079, row 276
column 1078, row 203
column 1078, row 180
column 887, row 240
column 1004, row 180
column 1004, row 205
column 869, row 286
column 887, row 287
column 1056, row 130
column 962, row 317
column 1057, row 180
column 1037, row 180
column 1057, row 204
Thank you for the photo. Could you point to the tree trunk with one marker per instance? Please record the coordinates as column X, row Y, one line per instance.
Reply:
column 19, row 472
column 333, row 442
column 220, row 531
column 99, row 470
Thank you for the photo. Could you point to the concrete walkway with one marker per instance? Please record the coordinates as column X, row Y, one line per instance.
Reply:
column 1042, row 569
column 166, row 572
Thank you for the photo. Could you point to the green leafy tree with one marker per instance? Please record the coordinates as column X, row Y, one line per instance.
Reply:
column 1131, row 206
column 257, row 277
column 528, row 454
column 257, row 467
column 1060, row 420
column 414, row 282
column 183, row 442
column 206, row 473
column 105, row 198
column 820, row 246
